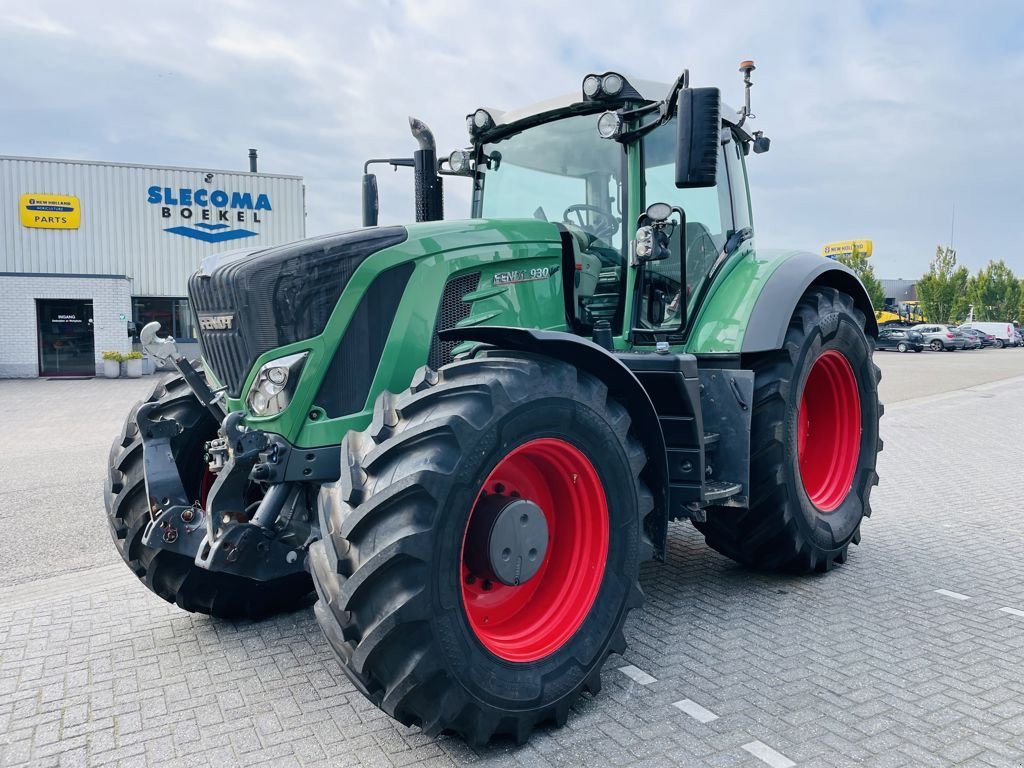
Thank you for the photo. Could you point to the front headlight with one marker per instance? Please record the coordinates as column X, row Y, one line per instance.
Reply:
column 274, row 385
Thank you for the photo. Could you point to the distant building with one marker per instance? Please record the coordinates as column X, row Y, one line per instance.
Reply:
column 87, row 248
column 899, row 290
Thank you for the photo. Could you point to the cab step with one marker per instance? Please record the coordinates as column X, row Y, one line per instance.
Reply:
column 711, row 438
column 716, row 490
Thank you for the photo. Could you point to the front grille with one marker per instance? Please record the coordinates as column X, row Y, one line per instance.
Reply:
column 277, row 296
column 450, row 312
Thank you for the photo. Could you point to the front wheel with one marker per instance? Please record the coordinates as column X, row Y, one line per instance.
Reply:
column 902, row 347
column 814, row 442
column 482, row 546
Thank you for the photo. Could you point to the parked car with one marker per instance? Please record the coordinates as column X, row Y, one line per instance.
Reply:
column 970, row 340
column 940, row 337
column 1003, row 332
column 986, row 339
column 900, row 339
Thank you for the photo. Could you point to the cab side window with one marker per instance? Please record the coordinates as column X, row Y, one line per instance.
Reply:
column 740, row 192
column 709, row 222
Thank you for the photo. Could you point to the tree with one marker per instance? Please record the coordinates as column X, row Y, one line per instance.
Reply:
column 858, row 262
column 995, row 293
column 943, row 286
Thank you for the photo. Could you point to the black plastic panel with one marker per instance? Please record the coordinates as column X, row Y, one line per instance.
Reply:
column 277, row 296
column 450, row 312
column 345, row 387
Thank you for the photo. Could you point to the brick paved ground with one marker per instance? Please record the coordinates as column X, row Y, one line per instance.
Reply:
column 868, row 665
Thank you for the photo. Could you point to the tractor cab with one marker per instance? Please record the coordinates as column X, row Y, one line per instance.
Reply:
column 592, row 163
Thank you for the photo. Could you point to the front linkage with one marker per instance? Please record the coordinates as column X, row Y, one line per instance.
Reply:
column 255, row 518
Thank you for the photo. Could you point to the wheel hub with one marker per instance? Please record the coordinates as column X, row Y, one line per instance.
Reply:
column 507, row 539
column 556, row 486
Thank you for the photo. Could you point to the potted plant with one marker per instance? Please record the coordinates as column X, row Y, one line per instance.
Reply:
column 133, row 365
column 112, row 364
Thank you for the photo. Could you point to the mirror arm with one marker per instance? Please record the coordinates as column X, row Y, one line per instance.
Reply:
column 394, row 162
column 664, row 108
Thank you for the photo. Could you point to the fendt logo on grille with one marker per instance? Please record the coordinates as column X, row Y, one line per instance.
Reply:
column 216, row 322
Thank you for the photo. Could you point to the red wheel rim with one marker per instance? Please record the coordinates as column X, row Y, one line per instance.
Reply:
column 829, row 427
column 533, row 620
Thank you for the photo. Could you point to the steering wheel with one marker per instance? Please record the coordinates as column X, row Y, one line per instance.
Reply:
column 603, row 227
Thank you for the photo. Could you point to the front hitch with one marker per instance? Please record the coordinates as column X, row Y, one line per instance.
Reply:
column 177, row 523
column 232, row 530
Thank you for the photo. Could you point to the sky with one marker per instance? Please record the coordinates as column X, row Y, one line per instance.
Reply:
column 885, row 117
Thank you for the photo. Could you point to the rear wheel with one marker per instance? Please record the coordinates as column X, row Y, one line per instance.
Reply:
column 1000, row 343
column 936, row 345
column 172, row 576
column 482, row 546
column 814, row 442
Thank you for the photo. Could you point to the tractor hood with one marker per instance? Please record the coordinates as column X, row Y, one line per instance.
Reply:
column 247, row 303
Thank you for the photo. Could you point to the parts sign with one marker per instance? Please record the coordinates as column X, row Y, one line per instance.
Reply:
column 43, row 211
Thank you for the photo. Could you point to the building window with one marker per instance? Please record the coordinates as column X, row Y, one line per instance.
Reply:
column 174, row 316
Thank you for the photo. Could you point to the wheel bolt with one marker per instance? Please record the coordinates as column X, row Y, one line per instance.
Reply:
column 187, row 515
column 499, row 488
column 486, row 585
column 471, row 579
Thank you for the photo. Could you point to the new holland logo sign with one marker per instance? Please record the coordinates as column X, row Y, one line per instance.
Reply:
column 42, row 211
column 846, row 248
column 210, row 215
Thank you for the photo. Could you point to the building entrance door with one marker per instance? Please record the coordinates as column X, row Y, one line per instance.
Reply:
column 66, row 345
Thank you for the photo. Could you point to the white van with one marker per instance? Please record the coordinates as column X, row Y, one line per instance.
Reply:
column 1003, row 332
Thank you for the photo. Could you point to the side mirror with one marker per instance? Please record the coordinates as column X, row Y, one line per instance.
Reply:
column 699, row 124
column 371, row 203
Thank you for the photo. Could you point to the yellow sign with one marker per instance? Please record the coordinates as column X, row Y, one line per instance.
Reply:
column 845, row 248
column 43, row 211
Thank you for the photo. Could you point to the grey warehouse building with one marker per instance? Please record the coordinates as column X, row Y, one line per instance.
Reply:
column 88, row 247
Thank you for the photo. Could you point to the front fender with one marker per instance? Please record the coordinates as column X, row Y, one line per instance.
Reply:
column 622, row 384
column 752, row 301
column 782, row 291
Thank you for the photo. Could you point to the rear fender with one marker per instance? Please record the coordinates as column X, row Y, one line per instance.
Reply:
column 622, row 384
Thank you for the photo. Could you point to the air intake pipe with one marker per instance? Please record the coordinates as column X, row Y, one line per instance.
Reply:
column 429, row 190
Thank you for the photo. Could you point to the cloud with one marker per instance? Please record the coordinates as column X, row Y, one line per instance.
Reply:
column 883, row 116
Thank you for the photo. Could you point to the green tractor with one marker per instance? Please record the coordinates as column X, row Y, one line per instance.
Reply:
column 466, row 436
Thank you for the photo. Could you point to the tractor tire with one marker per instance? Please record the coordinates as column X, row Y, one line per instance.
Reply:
column 814, row 442
column 408, row 596
column 172, row 576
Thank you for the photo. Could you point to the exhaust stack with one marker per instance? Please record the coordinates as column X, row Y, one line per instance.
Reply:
column 429, row 188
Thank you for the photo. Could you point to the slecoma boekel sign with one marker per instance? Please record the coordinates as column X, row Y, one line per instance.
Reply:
column 210, row 215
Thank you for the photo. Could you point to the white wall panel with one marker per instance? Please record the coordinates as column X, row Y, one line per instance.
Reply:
column 123, row 234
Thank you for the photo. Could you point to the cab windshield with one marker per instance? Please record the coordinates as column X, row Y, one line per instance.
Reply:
column 563, row 172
